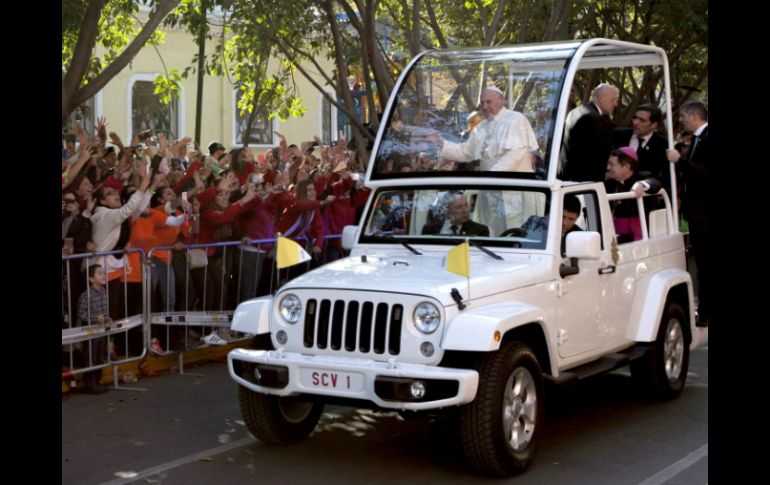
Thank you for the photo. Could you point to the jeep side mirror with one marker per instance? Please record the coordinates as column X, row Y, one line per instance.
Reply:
column 583, row 245
column 580, row 245
column 349, row 236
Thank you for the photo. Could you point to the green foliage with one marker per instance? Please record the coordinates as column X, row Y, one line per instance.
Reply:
column 297, row 32
column 188, row 14
column 117, row 27
column 168, row 86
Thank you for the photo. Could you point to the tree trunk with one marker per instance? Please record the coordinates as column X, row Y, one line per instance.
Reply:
column 72, row 93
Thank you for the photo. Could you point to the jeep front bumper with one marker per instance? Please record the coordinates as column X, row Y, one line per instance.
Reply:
column 392, row 384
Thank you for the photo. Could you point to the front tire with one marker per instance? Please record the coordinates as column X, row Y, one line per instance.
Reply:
column 501, row 428
column 662, row 372
column 276, row 420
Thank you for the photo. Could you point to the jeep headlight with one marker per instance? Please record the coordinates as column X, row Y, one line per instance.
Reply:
column 426, row 317
column 290, row 308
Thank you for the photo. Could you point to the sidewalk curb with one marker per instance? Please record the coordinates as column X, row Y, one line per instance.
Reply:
column 155, row 363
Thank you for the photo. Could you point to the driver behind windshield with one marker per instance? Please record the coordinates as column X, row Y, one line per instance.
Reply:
column 457, row 221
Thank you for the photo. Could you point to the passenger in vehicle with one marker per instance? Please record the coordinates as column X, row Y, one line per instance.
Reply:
column 503, row 141
column 537, row 226
column 650, row 145
column 623, row 177
column 569, row 216
column 588, row 136
column 457, row 221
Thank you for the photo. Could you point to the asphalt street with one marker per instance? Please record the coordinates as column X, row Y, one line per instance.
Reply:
column 186, row 429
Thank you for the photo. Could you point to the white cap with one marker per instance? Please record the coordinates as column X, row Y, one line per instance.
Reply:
column 494, row 89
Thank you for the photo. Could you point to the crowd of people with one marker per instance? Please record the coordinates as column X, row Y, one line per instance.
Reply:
column 155, row 192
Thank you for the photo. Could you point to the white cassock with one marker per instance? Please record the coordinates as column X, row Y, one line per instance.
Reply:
column 504, row 143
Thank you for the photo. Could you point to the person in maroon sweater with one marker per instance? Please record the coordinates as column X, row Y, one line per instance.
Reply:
column 227, row 181
column 218, row 215
column 256, row 262
column 341, row 211
column 301, row 217
column 242, row 164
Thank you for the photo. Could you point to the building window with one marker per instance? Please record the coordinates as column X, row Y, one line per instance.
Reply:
column 328, row 119
column 83, row 114
column 145, row 112
column 261, row 131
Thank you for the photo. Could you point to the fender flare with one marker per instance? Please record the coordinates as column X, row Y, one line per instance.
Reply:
column 474, row 330
column 253, row 316
column 650, row 298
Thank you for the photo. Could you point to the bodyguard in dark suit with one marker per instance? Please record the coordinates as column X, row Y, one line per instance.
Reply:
column 650, row 146
column 588, row 137
column 694, row 169
column 457, row 221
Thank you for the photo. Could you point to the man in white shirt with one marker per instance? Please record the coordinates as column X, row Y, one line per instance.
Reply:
column 503, row 141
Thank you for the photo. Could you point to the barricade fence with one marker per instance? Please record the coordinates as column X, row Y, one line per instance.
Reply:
column 102, row 311
column 170, row 300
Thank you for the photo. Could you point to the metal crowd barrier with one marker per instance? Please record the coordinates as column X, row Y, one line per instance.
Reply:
column 172, row 318
column 210, row 292
column 87, row 346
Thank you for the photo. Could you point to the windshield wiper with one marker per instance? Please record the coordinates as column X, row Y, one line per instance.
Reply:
column 477, row 244
column 403, row 243
column 407, row 246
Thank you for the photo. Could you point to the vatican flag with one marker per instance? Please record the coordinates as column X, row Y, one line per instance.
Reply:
column 289, row 253
column 459, row 259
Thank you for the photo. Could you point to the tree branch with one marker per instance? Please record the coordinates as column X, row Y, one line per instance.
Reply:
column 101, row 80
column 89, row 29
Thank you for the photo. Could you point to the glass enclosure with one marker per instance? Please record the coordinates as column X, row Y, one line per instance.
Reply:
column 515, row 217
column 438, row 123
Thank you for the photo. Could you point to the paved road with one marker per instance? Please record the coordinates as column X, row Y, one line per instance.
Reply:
column 187, row 430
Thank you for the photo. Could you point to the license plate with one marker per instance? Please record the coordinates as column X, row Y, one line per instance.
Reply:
column 332, row 380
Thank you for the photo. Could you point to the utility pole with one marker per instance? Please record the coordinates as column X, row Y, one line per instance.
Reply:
column 201, row 51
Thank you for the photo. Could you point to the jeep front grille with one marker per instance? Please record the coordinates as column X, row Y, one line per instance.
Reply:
column 353, row 326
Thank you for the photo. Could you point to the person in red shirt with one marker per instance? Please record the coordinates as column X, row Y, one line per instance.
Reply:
column 242, row 164
column 301, row 217
column 256, row 222
column 341, row 211
column 217, row 216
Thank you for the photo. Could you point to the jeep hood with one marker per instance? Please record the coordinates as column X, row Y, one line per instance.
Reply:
column 426, row 275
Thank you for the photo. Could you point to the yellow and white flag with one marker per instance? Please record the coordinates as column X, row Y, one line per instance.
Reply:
column 458, row 260
column 289, row 253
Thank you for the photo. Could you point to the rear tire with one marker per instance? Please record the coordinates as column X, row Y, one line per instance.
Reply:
column 501, row 428
column 662, row 372
column 276, row 420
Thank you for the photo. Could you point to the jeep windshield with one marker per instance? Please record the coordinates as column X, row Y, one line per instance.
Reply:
column 440, row 123
column 511, row 217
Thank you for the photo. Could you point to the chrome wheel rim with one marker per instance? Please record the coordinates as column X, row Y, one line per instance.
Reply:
column 520, row 408
column 673, row 350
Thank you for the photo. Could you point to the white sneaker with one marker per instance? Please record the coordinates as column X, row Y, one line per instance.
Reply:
column 156, row 348
column 214, row 339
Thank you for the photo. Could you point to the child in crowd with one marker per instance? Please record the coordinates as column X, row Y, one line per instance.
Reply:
column 93, row 310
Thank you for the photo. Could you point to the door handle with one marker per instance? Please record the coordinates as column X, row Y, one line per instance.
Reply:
column 607, row 269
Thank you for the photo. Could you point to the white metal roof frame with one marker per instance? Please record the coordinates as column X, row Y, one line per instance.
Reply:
column 595, row 53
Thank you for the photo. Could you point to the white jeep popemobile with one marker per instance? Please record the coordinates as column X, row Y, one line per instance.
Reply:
column 389, row 327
